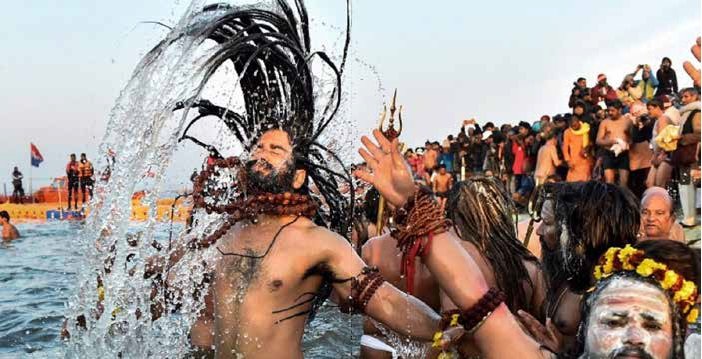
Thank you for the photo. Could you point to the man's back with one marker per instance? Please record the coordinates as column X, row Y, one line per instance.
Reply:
column 9, row 232
column 383, row 253
column 546, row 161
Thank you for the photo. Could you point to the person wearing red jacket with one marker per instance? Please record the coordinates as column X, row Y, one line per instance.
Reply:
column 602, row 91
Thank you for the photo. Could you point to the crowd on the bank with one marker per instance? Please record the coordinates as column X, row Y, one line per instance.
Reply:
column 603, row 181
column 606, row 282
column 641, row 134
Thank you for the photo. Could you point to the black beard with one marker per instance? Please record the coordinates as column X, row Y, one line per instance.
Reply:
column 554, row 267
column 629, row 351
column 276, row 181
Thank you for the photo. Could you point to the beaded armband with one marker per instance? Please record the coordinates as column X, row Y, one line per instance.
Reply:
column 362, row 290
column 419, row 217
column 473, row 318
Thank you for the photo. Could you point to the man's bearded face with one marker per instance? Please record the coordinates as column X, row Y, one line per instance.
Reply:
column 271, row 168
column 551, row 256
column 629, row 319
column 262, row 177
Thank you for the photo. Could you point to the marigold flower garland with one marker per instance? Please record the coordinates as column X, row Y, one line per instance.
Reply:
column 682, row 291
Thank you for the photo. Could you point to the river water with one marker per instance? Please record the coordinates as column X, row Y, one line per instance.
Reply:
column 38, row 274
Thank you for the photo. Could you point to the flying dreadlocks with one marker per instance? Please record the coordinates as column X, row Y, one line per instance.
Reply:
column 273, row 267
column 271, row 54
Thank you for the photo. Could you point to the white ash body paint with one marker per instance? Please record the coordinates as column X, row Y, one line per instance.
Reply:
column 630, row 313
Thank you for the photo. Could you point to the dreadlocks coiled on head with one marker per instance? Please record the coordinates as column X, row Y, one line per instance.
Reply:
column 481, row 211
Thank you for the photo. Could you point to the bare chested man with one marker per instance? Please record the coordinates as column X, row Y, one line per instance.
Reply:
column 273, row 264
column 614, row 135
column 9, row 232
column 270, row 273
column 441, row 185
column 431, row 156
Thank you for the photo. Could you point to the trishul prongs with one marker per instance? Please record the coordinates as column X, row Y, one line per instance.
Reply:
column 391, row 133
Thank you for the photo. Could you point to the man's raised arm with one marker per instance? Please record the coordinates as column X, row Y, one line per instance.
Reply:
column 454, row 270
column 383, row 302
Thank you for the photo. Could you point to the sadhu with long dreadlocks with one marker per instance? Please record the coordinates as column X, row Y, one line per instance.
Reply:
column 481, row 211
column 579, row 222
column 282, row 249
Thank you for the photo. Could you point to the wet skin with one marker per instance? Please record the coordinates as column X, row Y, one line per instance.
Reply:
column 259, row 305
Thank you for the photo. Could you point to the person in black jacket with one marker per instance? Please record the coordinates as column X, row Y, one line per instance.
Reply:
column 667, row 81
column 578, row 92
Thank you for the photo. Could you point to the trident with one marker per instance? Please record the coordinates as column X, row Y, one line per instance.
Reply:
column 390, row 133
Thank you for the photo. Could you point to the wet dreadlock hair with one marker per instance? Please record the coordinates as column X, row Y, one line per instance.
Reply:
column 679, row 324
column 591, row 217
column 271, row 53
column 481, row 211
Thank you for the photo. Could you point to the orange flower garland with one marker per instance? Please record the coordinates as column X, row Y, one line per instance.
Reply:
column 683, row 292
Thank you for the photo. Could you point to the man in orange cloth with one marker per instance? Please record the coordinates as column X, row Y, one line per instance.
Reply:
column 576, row 141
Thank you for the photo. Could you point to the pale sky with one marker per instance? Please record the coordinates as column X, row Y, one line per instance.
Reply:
column 65, row 62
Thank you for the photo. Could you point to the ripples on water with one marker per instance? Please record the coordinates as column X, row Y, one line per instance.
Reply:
column 37, row 274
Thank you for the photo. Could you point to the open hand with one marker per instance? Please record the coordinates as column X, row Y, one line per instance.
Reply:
column 691, row 70
column 389, row 173
column 547, row 335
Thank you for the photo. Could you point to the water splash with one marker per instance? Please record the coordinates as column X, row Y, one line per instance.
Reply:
column 404, row 347
column 143, row 134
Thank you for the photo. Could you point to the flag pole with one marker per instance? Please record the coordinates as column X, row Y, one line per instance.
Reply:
column 31, row 193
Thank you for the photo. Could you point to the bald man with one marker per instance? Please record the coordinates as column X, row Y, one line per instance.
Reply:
column 658, row 217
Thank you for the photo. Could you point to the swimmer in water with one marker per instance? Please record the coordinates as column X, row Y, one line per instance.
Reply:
column 9, row 232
